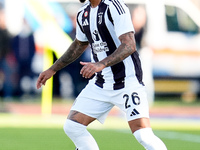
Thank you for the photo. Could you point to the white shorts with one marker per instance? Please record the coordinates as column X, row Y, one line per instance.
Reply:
column 97, row 102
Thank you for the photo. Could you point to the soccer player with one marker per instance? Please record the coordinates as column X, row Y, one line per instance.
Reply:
column 115, row 72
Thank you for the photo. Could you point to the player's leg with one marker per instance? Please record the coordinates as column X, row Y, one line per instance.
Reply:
column 75, row 128
column 84, row 111
column 136, row 107
column 142, row 131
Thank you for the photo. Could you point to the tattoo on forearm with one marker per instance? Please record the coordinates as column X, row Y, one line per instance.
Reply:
column 126, row 48
column 73, row 52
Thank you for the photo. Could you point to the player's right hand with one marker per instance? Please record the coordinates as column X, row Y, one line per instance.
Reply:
column 90, row 68
column 43, row 77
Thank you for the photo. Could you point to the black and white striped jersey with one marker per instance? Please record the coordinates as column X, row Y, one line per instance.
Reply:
column 102, row 26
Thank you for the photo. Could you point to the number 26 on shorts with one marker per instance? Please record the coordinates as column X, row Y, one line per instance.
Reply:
column 135, row 99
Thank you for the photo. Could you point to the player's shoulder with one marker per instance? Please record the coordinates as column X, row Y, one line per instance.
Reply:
column 116, row 6
column 113, row 2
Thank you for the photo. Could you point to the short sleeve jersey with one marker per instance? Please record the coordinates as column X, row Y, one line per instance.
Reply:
column 101, row 27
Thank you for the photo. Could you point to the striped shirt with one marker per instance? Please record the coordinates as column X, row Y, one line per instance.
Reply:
column 101, row 26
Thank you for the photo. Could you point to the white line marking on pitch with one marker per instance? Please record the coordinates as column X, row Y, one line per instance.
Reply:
column 178, row 136
column 173, row 135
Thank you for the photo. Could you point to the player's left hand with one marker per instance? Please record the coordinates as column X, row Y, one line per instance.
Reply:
column 90, row 68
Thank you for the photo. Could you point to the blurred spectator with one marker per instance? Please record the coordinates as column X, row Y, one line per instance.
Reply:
column 139, row 19
column 7, row 60
column 139, row 22
column 24, row 49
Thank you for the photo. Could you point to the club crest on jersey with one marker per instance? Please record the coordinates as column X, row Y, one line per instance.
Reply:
column 86, row 14
column 100, row 17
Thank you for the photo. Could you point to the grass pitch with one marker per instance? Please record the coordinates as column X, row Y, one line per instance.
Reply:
column 32, row 132
column 55, row 139
column 37, row 132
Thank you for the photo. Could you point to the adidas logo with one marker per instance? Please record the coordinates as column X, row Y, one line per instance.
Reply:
column 85, row 23
column 134, row 112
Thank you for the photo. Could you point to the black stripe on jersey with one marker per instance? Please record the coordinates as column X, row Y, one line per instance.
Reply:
column 109, row 16
column 99, row 78
column 86, row 27
column 79, row 22
column 118, row 6
column 138, row 68
column 118, row 70
column 100, row 81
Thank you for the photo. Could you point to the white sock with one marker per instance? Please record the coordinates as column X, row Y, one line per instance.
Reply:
column 148, row 140
column 78, row 133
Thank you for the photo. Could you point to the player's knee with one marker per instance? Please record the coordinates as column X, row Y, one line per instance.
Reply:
column 147, row 139
column 73, row 129
column 67, row 127
column 142, row 136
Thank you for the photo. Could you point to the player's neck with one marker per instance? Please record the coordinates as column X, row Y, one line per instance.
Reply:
column 94, row 3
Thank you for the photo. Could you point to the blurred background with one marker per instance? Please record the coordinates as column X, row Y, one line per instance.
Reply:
column 167, row 35
column 35, row 33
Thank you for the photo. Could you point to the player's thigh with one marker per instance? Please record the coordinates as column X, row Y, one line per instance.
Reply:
column 135, row 105
column 86, row 108
column 80, row 117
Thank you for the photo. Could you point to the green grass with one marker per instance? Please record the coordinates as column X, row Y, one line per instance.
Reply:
column 55, row 139
column 37, row 132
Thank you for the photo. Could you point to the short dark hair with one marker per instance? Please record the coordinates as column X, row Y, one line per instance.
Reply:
column 82, row 1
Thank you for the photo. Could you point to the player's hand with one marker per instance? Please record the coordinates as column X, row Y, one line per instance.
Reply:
column 89, row 68
column 43, row 77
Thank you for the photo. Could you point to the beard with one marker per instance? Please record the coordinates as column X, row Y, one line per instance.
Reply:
column 82, row 1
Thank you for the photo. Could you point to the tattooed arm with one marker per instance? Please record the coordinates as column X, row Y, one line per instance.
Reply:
column 73, row 52
column 127, row 47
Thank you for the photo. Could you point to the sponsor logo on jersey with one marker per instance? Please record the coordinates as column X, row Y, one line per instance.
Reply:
column 98, row 46
column 95, row 35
